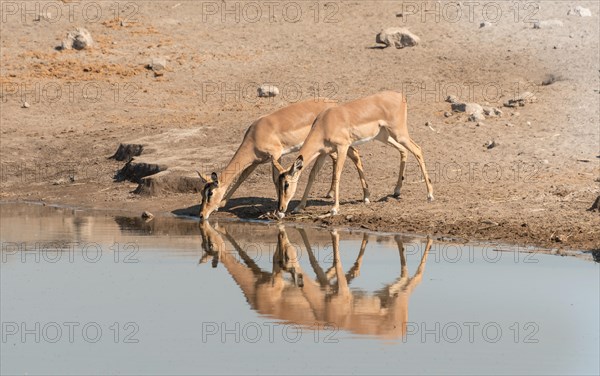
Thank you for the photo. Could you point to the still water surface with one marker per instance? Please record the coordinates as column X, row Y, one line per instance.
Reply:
column 88, row 293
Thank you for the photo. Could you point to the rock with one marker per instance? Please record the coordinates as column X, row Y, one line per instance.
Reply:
column 547, row 24
column 267, row 91
column 349, row 217
column 529, row 123
column 485, row 24
column 125, row 152
column 136, row 171
column 521, row 100
column 79, row 39
column 398, row 37
column 428, row 124
column 491, row 144
column 479, row 124
column 447, row 114
column 469, row 108
column 476, row 116
column 596, row 205
column 491, row 111
column 158, row 64
column 509, row 124
column 579, row 11
column 147, row 215
column 451, row 99
column 550, row 78
column 25, row 105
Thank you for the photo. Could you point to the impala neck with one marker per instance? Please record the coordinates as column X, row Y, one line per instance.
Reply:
column 242, row 158
column 312, row 148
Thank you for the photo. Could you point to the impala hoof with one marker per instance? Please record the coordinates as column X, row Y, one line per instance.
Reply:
column 430, row 197
column 280, row 215
column 334, row 211
column 297, row 209
column 329, row 194
column 367, row 201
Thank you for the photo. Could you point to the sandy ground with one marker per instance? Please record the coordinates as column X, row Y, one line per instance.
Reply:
column 534, row 188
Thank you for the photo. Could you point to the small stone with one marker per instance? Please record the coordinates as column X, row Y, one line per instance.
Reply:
column 79, row 39
column 490, row 144
column 398, row 37
column 451, row 99
column 509, row 125
column 476, row 116
column 479, row 124
column 349, row 217
column 428, row 124
column 547, row 24
column 447, row 114
column 528, row 123
column 469, row 108
column 267, row 91
column 521, row 100
column 579, row 11
column 147, row 215
column 491, row 111
column 25, row 105
column 485, row 24
column 158, row 64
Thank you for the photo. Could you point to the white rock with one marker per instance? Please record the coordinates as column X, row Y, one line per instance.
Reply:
column 469, row 108
column 267, row 91
column 398, row 37
column 451, row 99
column 158, row 64
column 579, row 11
column 547, row 24
column 79, row 39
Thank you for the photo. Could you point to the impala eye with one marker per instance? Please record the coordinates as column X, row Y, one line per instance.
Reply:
column 286, row 185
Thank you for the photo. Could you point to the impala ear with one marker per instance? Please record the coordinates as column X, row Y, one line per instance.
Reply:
column 297, row 166
column 277, row 165
column 215, row 178
column 205, row 178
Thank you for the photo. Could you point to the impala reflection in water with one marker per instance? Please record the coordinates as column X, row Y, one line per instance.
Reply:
column 325, row 299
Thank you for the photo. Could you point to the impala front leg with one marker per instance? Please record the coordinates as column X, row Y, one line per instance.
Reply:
column 238, row 182
column 311, row 178
column 355, row 157
column 341, row 152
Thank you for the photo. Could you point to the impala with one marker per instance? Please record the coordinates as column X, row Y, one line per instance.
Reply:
column 380, row 117
column 268, row 138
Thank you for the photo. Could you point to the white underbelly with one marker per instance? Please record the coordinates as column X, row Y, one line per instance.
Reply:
column 292, row 149
column 362, row 141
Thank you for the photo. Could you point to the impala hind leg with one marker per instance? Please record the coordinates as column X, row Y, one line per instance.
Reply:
column 341, row 152
column 403, row 157
column 355, row 157
column 415, row 149
column 311, row 178
column 332, row 187
column 243, row 176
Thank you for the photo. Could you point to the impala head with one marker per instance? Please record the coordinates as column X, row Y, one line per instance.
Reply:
column 212, row 194
column 287, row 184
column 285, row 258
column 211, row 244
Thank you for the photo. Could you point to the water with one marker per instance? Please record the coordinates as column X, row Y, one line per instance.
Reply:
column 89, row 293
